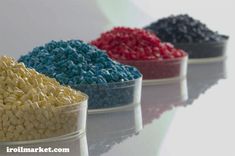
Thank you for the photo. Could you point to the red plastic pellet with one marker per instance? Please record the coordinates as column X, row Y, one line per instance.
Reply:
column 123, row 43
column 142, row 49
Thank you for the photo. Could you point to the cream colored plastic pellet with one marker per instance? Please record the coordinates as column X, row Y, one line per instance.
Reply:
column 33, row 106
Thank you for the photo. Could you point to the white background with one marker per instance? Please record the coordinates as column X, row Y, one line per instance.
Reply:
column 25, row 24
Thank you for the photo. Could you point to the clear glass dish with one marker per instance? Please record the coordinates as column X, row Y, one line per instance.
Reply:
column 160, row 71
column 34, row 125
column 106, row 97
column 204, row 51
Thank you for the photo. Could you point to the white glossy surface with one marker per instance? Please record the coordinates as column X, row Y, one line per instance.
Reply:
column 201, row 125
column 172, row 124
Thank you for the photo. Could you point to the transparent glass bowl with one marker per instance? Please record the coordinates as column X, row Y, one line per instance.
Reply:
column 205, row 51
column 160, row 70
column 103, row 97
column 42, row 124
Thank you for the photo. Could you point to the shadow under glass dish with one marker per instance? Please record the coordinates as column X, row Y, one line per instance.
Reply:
column 161, row 98
column 201, row 77
column 107, row 129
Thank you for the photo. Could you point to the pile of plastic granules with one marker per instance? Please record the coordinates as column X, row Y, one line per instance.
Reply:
column 84, row 67
column 33, row 106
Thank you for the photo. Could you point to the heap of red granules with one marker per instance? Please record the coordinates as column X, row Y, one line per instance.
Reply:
column 122, row 43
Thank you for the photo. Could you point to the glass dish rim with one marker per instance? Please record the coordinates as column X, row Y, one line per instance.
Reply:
column 223, row 41
column 184, row 58
column 78, row 134
column 112, row 109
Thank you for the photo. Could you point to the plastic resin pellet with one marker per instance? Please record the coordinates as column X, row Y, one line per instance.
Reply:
column 124, row 43
column 33, row 106
column 142, row 49
column 86, row 68
column 183, row 29
column 191, row 35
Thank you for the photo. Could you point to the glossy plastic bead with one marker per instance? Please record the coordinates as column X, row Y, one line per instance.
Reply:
column 33, row 106
column 122, row 43
column 80, row 65
column 183, row 29
column 143, row 50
